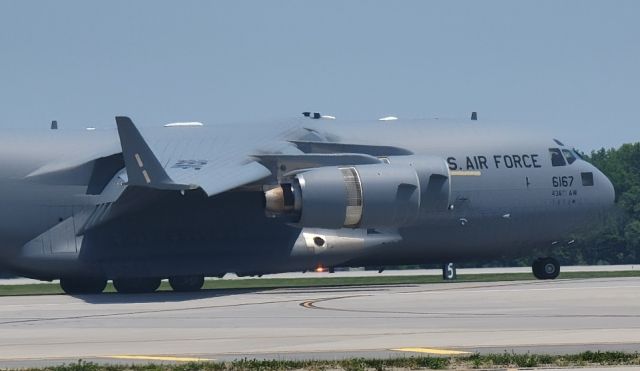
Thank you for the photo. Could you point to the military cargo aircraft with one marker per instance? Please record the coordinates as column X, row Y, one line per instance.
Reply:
column 184, row 201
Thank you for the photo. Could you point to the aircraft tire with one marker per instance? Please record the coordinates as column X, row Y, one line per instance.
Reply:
column 186, row 283
column 536, row 269
column 136, row 285
column 84, row 285
column 546, row 268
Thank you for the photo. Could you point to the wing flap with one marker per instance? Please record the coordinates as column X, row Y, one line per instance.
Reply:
column 334, row 147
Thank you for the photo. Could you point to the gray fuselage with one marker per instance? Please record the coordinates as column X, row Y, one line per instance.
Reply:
column 506, row 197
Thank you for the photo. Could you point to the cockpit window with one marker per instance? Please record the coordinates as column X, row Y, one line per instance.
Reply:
column 587, row 179
column 569, row 156
column 578, row 154
column 556, row 157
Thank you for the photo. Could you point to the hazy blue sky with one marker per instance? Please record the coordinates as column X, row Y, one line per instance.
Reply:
column 569, row 66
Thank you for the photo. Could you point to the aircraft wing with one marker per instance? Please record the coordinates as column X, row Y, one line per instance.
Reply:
column 185, row 166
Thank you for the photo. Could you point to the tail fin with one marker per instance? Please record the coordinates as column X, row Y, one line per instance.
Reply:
column 143, row 167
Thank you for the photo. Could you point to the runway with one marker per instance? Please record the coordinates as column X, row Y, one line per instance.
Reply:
column 374, row 273
column 563, row 316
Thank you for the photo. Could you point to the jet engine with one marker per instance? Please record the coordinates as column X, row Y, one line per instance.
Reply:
column 391, row 194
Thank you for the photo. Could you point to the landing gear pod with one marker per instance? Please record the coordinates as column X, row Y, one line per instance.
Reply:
column 393, row 194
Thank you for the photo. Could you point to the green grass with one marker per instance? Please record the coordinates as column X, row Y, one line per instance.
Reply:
column 476, row 361
column 222, row 284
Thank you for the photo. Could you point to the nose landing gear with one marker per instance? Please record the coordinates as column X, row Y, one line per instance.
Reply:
column 546, row 268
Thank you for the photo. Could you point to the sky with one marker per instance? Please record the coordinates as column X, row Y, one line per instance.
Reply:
column 569, row 67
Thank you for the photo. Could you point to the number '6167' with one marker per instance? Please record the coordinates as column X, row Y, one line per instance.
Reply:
column 562, row 181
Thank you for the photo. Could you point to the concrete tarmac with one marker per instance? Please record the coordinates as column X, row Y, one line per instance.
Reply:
column 562, row 316
column 388, row 273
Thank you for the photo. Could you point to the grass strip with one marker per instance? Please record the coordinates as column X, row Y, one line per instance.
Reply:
column 269, row 283
column 476, row 361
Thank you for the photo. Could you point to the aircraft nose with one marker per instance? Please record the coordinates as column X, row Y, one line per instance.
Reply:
column 611, row 191
column 605, row 189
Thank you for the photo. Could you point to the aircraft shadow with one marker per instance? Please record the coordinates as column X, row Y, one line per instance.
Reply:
column 160, row 296
column 172, row 296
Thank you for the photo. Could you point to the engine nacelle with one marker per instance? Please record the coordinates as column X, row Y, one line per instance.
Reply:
column 392, row 194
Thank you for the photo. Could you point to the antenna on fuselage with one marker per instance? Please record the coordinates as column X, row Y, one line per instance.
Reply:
column 54, row 125
column 317, row 116
column 474, row 116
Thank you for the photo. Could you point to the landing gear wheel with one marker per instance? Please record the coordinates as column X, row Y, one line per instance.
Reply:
column 546, row 268
column 84, row 285
column 537, row 269
column 186, row 283
column 136, row 285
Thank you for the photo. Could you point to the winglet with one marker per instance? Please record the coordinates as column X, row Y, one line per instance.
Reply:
column 143, row 167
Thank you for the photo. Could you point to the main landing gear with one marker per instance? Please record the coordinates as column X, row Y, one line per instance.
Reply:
column 136, row 285
column 92, row 285
column 546, row 268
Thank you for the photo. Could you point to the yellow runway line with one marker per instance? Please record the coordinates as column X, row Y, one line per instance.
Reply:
column 160, row 358
column 442, row 352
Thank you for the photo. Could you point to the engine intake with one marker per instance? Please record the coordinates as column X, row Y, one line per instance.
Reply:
column 393, row 194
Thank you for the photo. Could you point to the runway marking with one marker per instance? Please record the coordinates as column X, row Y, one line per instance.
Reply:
column 442, row 352
column 160, row 358
column 308, row 304
column 472, row 290
column 102, row 315
column 311, row 304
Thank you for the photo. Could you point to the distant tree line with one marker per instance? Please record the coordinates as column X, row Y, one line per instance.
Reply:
column 617, row 241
